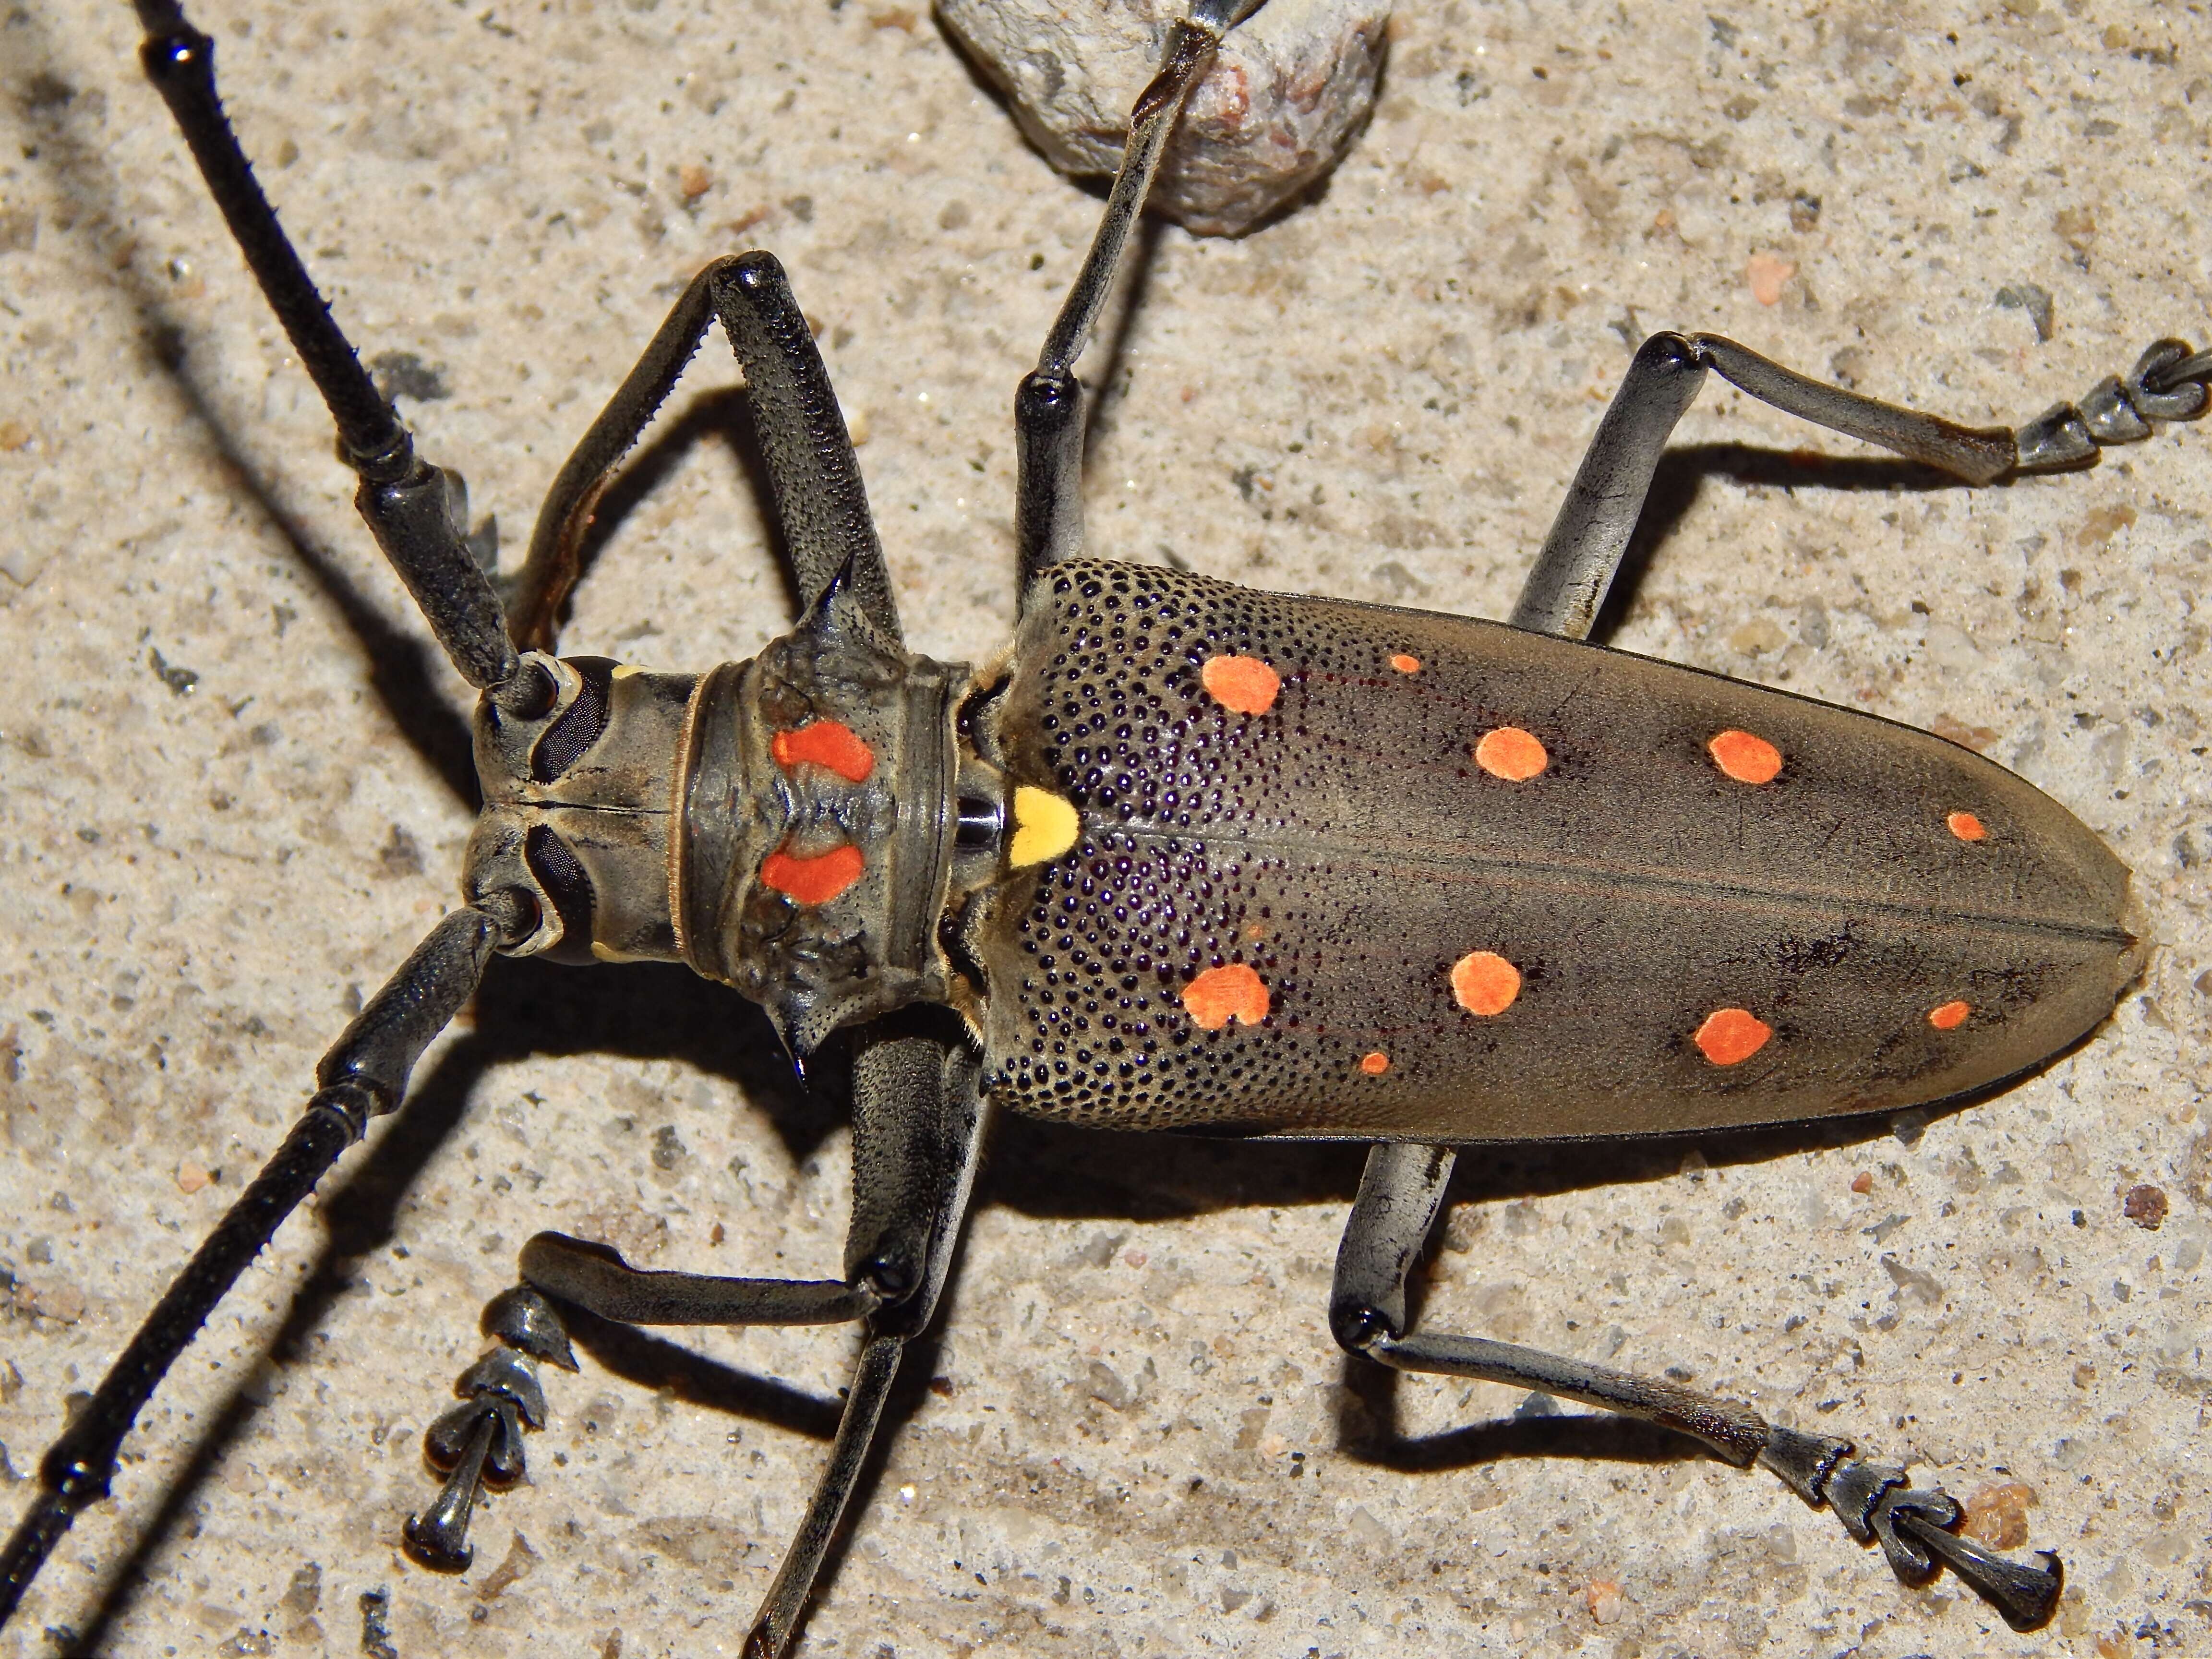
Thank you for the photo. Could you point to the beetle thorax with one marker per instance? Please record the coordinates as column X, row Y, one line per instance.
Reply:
column 789, row 825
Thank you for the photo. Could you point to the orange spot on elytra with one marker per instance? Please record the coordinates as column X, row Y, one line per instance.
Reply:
column 1966, row 826
column 1221, row 994
column 1404, row 664
column 812, row 880
column 826, row 742
column 1950, row 1017
column 1512, row 753
column 1243, row 684
column 1744, row 757
column 1483, row 982
column 1375, row 1064
column 1732, row 1034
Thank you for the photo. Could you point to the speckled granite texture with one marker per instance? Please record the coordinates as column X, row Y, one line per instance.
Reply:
column 233, row 791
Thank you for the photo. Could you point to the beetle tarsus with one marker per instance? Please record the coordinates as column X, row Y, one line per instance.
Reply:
column 2025, row 1592
column 1916, row 1528
column 2169, row 383
column 478, row 1444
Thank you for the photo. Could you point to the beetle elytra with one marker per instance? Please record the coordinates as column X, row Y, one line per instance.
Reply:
column 1398, row 527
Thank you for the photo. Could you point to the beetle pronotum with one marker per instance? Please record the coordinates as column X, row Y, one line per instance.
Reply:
column 192, row 1064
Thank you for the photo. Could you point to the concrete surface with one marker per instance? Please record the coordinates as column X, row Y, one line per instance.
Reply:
column 1142, row 1441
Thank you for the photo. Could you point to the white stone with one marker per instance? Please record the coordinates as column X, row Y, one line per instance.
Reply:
column 1292, row 87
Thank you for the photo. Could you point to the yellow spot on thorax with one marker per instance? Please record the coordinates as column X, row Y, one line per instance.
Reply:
column 1045, row 826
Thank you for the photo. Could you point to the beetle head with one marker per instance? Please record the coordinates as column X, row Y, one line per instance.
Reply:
column 578, row 798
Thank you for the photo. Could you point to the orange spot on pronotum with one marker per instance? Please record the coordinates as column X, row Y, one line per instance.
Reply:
column 1744, row 757
column 826, row 742
column 1404, row 664
column 1950, row 1016
column 1375, row 1064
column 1221, row 994
column 1511, row 753
column 1732, row 1034
column 1243, row 684
column 812, row 880
column 1966, row 826
column 1483, row 982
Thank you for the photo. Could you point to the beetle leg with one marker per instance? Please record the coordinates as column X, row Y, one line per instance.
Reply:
column 821, row 503
column 478, row 1443
column 1584, row 550
column 917, row 1138
column 1049, row 407
column 1400, row 1191
column 918, row 1123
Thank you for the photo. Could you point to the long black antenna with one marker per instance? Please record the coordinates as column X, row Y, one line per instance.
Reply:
column 364, row 1075
column 410, row 506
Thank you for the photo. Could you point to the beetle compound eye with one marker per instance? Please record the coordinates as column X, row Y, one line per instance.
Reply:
column 566, row 881
column 580, row 726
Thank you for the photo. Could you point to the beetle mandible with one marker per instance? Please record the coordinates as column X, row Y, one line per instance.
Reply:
column 1261, row 488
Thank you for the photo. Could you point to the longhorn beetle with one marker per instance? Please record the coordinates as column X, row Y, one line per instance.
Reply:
column 1040, row 527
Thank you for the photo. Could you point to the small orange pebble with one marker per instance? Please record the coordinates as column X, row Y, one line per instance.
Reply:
column 1404, row 664
column 1375, row 1064
column 1483, row 982
column 826, row 742
column 1602, row 1597
column 1243, row 684
column 812, row 880
column 1221, row 994
column 1863, row 1182
column 1950, row 1017
column 1966, row 826
column 1744, row 757
column 1731, row 1036
column 1510, row 753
